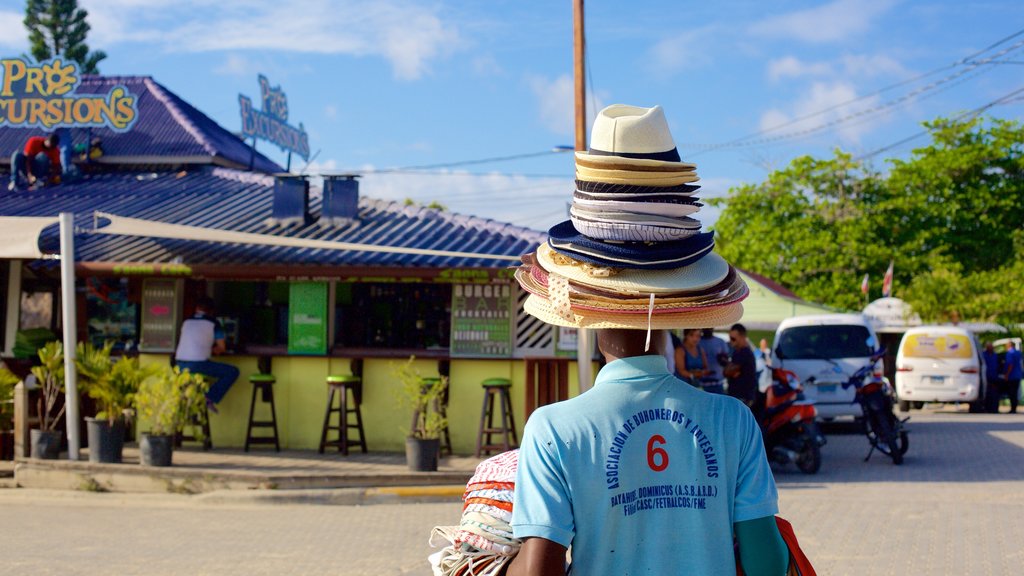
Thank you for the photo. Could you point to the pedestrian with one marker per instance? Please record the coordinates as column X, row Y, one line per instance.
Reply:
column 691, row 362
column 201, row 337
column 642, row 474
column 37, row 164
column 717, row 352
column 1012, row 374
column 993, row 377
column 766, row 352
column 742, row 369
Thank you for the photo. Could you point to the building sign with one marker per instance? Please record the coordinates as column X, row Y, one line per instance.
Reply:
column 481, row 320
column 43, row 96
column 307, row 318
column 270, row 122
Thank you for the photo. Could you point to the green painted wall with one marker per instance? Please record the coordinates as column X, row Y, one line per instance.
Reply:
column 301, row 399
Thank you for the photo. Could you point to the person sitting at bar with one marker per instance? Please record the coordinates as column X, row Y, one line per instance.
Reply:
column 37, row 164
column 203, row 336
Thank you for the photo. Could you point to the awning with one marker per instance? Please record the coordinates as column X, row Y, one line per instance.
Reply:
column 124, row 226
column 19, row 236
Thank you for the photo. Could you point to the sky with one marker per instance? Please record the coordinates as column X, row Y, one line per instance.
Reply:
column 433, row 87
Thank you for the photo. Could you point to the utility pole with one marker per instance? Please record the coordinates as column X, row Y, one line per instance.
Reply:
column 579, row 73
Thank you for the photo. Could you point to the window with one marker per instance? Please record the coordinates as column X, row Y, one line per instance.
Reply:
column 400, row 316
column 825, row 342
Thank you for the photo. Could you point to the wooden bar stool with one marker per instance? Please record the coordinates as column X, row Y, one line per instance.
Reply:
column 342, row 384
column 263, row 383
column 203, row 423
column 496, row 387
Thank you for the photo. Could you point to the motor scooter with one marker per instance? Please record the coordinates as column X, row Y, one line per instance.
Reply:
column 885, row 432
column 788, row 426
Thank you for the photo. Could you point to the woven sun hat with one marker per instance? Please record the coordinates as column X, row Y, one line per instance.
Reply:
column 542, row 309
column 633, row 177
column 671, row 198
column 669, row 207
column 627, row 232
column 633, row 136
column 565, row 239
column 611, row 189
column 705, row 273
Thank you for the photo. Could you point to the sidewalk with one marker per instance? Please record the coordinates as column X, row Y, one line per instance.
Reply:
column 289, row 476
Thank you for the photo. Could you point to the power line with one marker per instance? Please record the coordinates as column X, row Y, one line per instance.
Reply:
column 1011, row 97
column 416, row 169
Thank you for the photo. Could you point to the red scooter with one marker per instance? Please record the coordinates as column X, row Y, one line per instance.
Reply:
column 789, row 428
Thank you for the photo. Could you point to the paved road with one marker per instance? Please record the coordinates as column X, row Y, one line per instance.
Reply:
column 956, row 507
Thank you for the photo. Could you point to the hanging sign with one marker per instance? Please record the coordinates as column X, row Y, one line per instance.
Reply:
column 43, row 96
column 270, row 123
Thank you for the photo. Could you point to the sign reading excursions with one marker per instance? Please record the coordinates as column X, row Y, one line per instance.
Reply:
column 271, row 121
column 43, row 96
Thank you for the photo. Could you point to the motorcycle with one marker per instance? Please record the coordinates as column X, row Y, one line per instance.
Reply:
column 789, row 428
column 885, row 432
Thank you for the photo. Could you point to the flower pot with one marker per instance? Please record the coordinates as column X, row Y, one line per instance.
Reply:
column 106, row 441
column 421, row 454
column 45, row 444
column 156, row 450
column 6, row 444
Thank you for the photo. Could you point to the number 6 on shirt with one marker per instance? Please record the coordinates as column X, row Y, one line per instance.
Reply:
column 657, row 458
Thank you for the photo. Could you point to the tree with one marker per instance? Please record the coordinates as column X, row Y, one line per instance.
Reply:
column 58, row 28
column 949, row 216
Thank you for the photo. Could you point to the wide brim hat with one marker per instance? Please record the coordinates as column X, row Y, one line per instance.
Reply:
column 705, row 273
column 658, row 206
column 635, row 189
column 624, row 135
column 566, row 239
column 542, row 309
column 631, row 177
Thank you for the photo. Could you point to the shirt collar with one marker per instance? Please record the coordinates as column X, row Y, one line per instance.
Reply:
column 650, row 366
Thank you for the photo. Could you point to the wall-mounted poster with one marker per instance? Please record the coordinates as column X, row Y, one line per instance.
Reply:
column 482, row 320
column 161, row 310
column 307, row 318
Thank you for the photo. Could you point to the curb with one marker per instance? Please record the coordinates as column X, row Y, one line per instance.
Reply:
column 337, row 496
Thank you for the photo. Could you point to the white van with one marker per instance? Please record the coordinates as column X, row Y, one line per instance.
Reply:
column 940, row 364
column 830, row 348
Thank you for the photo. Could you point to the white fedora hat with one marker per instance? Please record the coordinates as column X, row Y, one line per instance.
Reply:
column 632, row 135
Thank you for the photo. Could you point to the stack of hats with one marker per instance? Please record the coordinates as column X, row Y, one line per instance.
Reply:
column 631, row 255
column 482, row 543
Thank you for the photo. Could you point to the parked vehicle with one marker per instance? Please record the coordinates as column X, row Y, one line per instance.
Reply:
column 940, row 364
column 790, row 431
column 827, row 348
column 885, row 432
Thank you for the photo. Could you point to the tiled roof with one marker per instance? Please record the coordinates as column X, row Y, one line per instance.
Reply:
column 229, row 199
column 168, row 131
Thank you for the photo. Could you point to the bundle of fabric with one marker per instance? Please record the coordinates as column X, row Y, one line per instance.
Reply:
column 631, row 255
column 482, row 544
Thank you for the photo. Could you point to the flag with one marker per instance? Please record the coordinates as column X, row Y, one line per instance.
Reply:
column 887, row 282
column 864, row 285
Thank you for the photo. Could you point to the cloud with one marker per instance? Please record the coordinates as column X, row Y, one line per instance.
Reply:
column 331, row 112
column 832, row 22
column 792, row 67
column 872, row 65
column 238, row 65
column 556, row 102
column 9, row 23
column 681, row 51
column 830, row 96
column 406, row 34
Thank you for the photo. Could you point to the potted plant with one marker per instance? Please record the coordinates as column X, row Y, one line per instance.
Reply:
column 7, row 383
column 422, row 395
column 167, row 402
column 113, row 387
column 49, row 375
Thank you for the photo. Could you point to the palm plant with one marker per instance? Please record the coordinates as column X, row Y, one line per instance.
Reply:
column 50, row 376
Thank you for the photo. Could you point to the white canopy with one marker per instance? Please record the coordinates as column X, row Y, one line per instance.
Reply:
column 19, row 236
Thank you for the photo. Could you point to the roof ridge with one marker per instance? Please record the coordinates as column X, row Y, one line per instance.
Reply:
column 164, row 96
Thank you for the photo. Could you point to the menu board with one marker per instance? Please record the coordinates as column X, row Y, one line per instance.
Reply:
column 307, row 318
column 482, row 320
column 160, row 310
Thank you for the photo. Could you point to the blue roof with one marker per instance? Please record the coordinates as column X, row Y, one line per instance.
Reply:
column 168, row 131
column 228, row 199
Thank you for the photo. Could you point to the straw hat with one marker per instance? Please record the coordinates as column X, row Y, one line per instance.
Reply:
column 605, row 188
column 700, row 318
column 633, row 136
column 632, row 177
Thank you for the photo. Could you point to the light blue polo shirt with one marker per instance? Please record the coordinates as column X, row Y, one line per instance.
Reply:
column 642, row 474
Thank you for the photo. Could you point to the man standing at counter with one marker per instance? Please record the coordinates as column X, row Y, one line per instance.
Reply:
column 201, row 337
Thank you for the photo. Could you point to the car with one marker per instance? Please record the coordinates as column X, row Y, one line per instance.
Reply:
column 940, row 364
column 829, row 348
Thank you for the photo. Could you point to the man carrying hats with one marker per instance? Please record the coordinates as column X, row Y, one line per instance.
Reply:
column 643, row 473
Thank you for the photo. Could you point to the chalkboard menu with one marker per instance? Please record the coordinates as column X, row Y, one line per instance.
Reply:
column 307, row 318
column 159, row 315
column 482, row 320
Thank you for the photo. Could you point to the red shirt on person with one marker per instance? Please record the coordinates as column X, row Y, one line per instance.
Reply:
column 35, row 145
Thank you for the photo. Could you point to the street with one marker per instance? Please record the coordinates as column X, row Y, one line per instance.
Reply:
column 956, row 507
